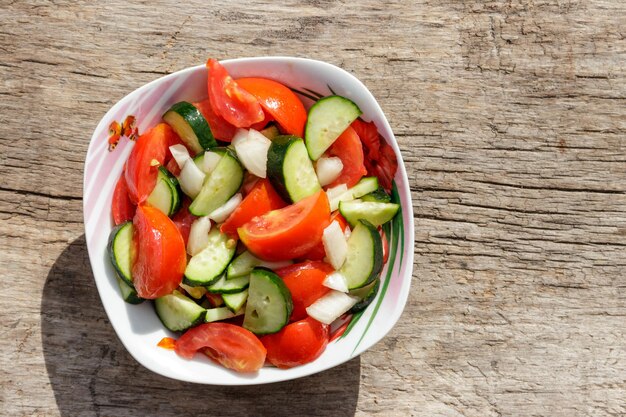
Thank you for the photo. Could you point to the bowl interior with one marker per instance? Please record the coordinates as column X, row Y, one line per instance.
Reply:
column 137, row 326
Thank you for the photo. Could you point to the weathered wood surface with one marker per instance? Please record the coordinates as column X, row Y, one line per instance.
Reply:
column 511, row 116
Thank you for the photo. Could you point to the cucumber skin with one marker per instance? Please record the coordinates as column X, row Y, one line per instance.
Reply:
column 275, row 157
column 174, row 183
column 205, row 138
column 378, row 196
column 367, row 300
column 118, row 271
column 377, row 254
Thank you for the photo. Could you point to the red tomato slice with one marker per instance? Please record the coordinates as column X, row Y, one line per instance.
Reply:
column 297, row 343
column 261, row 199
column 122, row 208
column 231, row 346
column 220, row 128
column 141, row 170
column 263, row 123
column 305, row 282
column 318, row 252
column 289, row 232
column 183, row 220
column 383, row 236
column 380, row 159
column 348, row 148
column 279, row 101
column 233, row 103
column 159, row 257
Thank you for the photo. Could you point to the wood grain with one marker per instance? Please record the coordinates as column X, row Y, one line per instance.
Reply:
column 511, row 117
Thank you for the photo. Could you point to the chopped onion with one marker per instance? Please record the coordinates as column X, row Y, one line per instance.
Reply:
column 335, row 244
column 191, row 179
column 336, row 281
column 210, row 161
column 328, row 169
column 180, row 154
column 221, row 213
column 331, row 306
column 198, row 235
column 195, row 292
column 252, row 151
column 337, row 196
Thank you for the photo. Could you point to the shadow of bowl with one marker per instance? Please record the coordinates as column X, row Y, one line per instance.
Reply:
column 91, row 373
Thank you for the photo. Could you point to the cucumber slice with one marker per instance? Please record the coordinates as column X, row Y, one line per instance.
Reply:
column 269, row 303
column 375, row 213
column 378, row 196
column 166, row 195
column 245, row 262
column 365, row 256
column 206, row 267
column 220, row 313
column 229, row 286
column 365, row 186
column 366, row 294
column 191, row 126
column 128, row 293
column 119, row 247
column 220, row 185
column 290, row 170
column 236, row 300
column 178, row 312
column 327, row 119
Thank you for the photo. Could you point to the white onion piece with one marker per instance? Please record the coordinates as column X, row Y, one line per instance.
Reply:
column 328, row 169
column 331, row 306
column 335, row 244
column 191, row 179
column 210, row 161
column 180, row 154
column 198, row 235
column 240, row 135
column 252, row 151
column 221, row 213
column 337, row 196
column 336, row 281
column 195, row 292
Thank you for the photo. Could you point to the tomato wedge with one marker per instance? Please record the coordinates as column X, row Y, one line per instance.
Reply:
column 279, row 101
column 289, row 232
column 318, row 252
column 348, row 148
column 183, row 220
column 297, row 343
column 220, row 128
column 159, row 256
column 380, row 159
column 233, row 103
column 231, row 346
column 261, row 199
column 141, row 168
column 122, row 208
column 305, row 282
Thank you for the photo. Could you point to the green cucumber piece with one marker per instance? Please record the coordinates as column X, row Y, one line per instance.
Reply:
column 236, row 300
column 220, row 185
column 366, row 294
column 365, row 256
column 364, row 186
column 375, row 213
column 128, row 293
column 178, row 312
column 327, row 119
column 229, row 286
column 242, row 265
column 191, row 126
column 290, row 170
column 207, row 267
column 269, row 303
column 166, row 195
column 220, row 313
column 118, row 248
column 378, row 196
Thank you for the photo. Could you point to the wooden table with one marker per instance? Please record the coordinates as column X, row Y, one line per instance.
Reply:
column 511, row 117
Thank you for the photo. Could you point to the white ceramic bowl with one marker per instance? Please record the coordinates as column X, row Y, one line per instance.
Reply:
column 137, row 326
